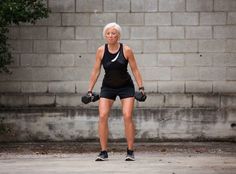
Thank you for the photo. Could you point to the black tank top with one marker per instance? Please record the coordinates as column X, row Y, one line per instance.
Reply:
column 115, row 66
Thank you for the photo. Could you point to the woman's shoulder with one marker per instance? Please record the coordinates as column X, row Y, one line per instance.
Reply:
column 127, row 49
column 101, row 49
column 100, row 52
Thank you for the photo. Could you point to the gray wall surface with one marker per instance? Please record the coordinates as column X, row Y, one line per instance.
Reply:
column 185, row 50
column 180, row 45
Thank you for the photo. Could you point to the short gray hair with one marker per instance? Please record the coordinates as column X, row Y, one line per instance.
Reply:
column 111, row 25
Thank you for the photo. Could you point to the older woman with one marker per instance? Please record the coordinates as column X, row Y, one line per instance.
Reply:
column 114, row 57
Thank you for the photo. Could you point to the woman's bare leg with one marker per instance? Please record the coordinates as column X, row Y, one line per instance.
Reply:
column 127, row 110
column 104, row 110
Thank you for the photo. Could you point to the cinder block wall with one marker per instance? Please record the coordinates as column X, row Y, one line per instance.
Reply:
column 185, row 49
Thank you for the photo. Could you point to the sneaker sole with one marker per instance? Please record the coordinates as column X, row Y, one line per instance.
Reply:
column 129, row 159
column 101, row 159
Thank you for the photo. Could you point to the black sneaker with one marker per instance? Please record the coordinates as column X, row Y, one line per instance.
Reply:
column 130, row 155
column 103, row 156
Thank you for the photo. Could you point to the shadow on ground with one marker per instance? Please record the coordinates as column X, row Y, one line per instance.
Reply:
column 86, row 147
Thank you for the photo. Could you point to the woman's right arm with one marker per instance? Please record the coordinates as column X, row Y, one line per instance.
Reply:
column 96, row 69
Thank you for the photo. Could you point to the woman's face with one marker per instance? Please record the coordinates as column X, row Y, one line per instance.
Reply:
column 112, row 35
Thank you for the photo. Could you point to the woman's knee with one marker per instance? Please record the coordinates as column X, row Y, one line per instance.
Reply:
column 103, row 116
column 127, row 116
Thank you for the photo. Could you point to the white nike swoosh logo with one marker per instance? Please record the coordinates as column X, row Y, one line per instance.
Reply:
column 113, row 60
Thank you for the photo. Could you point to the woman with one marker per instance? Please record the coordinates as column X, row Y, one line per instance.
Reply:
column 114, row 56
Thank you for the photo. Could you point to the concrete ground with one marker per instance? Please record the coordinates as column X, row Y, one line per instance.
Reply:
column 163, row 158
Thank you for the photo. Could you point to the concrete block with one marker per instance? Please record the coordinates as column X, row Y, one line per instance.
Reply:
column 14, row 33
column 69, row 100
column 21, row 46
column 230, row 115
column 222, row 32
column 198, row 32
column 16, row 60
column 153, row 101
column 170, row 60
column 150, row 86
column 74, row 74
column 171, row 5
column 198, row 59
column 135, row 45
column 34, row 87
column 156, row 46
column 143, row 33
column 224, row 59
column 224, row 87
column 18, row 100
column 125, row 33
column 199, row 5
column 89, row 6
column 224, row 5
column 185, row 19
column 185, row 73
column 180, row 46
column 9, row 87
column 89, row 33
column 33, row 33
column 61, row 60
column 212, row 73
column 231, row 73
column 130, row 18
column 172, row 32
column 231, row 45
column 51, row 74
column 146, row 60
column 84, row 60
column 198, row 87
column 101, row 19
column 93, row 45
column 178, row 100
column 228, row 101
column 18, row 74
column 212, row 45
column 171, row 86
column 214, row 18
column 157, row 19
column 116, row 6
column 61, row 87
column 42, row 100
column 33, row 60
column 75, row 19
column 206, row 101
column 54, row 19
column 156, row 73
column 82, row 87
column 72, row 46
column 231, row 18
column 61, row 5
column 39, row 73
column 60, row 33
column 144, row 6
column 46, row 46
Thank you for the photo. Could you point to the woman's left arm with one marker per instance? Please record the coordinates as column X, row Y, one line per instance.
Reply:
column 133, row 65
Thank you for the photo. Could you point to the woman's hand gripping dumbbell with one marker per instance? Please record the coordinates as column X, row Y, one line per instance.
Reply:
column 140, row 95
column 90, row 97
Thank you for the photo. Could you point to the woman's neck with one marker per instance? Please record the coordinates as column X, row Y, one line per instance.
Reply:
column 113, row 48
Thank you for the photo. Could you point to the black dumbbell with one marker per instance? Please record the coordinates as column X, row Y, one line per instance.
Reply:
column 140, row 96
column 90, row 97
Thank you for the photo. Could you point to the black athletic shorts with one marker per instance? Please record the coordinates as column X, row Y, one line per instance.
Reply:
column 122, row 92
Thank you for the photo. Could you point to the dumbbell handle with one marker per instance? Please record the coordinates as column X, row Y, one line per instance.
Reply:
column 140, row 96
column 90, row 97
